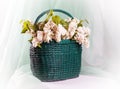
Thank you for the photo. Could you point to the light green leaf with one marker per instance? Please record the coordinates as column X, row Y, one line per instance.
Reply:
column 64, row 23
column 86, row 21
column 80, row 23
column 24, row 30
column 27, row 25
column 30, row 40
column 56, row 19
column 21, row 21
column 39, row 46
column 49, row 15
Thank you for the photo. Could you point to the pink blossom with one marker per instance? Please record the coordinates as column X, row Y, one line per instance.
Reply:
column 49, row 25
column 68, row 19
column 46, row 26
column 79, row 38
column 61, row 33
column 40, row 36
column 58, row 33
column 57, row 36
column 61, row 30
column 80, row 30
column 52, row 24
column 86, row 43
column 76, row 20
column 72, row 28
column 35, row 42
column 87, row 31
column 47, row 35
column 31, row 32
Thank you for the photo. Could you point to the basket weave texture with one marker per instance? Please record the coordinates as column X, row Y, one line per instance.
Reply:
column 56, row 61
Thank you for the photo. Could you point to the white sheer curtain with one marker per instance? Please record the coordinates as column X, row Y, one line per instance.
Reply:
column 112, row 30
column 101, row 57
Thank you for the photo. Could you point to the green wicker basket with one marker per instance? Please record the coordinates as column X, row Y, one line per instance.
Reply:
column 56, row 61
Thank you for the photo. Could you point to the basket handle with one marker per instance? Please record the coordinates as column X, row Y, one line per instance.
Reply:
column 55, row 10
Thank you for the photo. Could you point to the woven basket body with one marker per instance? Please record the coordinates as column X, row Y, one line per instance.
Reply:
column 56, row 61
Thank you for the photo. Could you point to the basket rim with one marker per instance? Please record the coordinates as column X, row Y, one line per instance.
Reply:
column 66, row 41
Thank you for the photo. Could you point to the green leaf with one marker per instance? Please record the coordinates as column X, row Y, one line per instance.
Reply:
column 49, row 15
column 41, row 25
column 24, row 30
column 64, row 23
column 21, row 21
column 27, row 25
column 30, row 40
column 39, row 46
column 56, row 19
column 86, row 21
column 80, row 23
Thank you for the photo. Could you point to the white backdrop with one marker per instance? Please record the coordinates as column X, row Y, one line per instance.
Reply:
column 104, row 17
